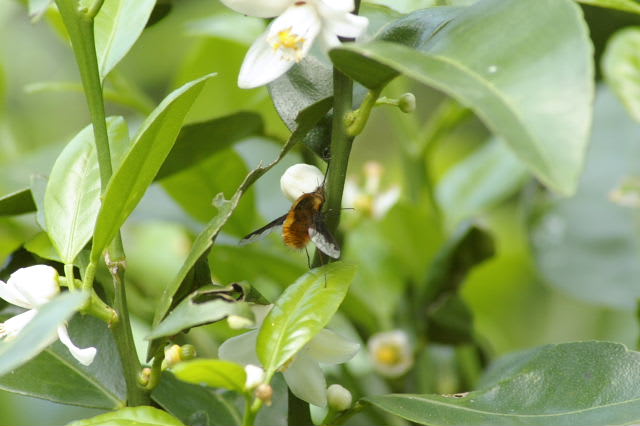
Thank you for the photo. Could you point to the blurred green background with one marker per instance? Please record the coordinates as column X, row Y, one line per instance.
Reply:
column 523, row 297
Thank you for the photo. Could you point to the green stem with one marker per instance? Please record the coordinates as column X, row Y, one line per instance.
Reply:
column 68, row 274
column 79, row 25
column 356, row 120
column 251, row 411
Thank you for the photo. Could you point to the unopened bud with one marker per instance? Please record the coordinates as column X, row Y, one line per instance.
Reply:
column 407, row 103
column 339, row 398
column 237, row 322
column 187, row 352
column 175, row 354
column 264, row 392
column 300, row 179
column 144, row 376
column 255, row 376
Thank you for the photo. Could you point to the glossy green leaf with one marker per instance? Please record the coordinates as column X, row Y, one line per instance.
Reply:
column 196, row 405
column 42, row 246
column 215, row 373
column 483, row 179
column 131, row 416
column 117, row 27
column 56, row 376
column 588, row 246
column 626, row 5
column 181, row 284
column 192, row 312
column 40, row 332
column 38, row 187
column 220, row 173
column 198, row 141
column 584, row 383
column 72, row 198
column 18, row 202
column 304, row 308
column 621, row 67
column 533, row 88
column 305, row 84
column 141, row 164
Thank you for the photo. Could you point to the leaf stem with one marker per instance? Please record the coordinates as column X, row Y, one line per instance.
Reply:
column 68, row 274
column 79, row 25
column 356, row 120
column 251, row 410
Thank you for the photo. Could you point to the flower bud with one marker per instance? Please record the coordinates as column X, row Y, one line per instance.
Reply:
column 264, row 392
column 175, row 354
column 36, row 284
column 338, row 397
column 144, row 376
column 237, row 322
column 300, row 179
column 407, row 103
column 255, row 376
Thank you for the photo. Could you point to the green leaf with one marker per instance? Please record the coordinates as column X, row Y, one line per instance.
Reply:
column 626, row 5
column 117, row 27
column 221, row 173
column 225, row 26
column 40, row 332
column 37, row 8
column 141, row 164
column 201, row 246
column 131, row 416
column 277, row 413
column 38, row 187
column 304, row 308
column 72, row 198
column 56, row 376
column 534, row 88
column 18, row 202
column 584, row 383
column 483, row 179
column 199, row 141
column 42, row 246
column 192, row 312
column 588, row 245
column 196, row 405
column 621, row 67
column 215, row 373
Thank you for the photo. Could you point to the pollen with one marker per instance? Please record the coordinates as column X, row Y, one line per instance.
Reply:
column 388, row 354
column 290, row 43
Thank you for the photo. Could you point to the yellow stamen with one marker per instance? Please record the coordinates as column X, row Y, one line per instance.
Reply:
column 290, row 41
column 388, row 355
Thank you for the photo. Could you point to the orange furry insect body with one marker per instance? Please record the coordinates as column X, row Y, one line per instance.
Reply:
column 303, row 223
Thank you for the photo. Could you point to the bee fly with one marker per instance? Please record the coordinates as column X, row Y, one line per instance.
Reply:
column 303, row 223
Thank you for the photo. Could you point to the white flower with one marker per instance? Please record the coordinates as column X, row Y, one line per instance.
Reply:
column 302, row 373
column 289, row 37
column 391, row 353
column 300, row 179
column 30, row 288
column 369, row 199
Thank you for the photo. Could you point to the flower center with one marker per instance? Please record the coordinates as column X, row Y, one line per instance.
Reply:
column 289, row 44
column 388, row 355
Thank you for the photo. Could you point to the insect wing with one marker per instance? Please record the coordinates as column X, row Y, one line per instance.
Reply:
column 264, row 231
column 322, row 238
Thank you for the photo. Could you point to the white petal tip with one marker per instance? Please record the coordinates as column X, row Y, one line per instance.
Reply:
column 84, row 356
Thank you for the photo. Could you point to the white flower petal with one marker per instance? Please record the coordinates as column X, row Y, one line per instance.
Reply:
column 383, row 202
column 346, row 25
column 328, row 347
column 37, row 284
column 255, row 376
column 261, row 65
column 84, row 356
column 337, row 6
column 306, row 380
column 293, row 32
column 300, row 179
column 240, row 349
column 259, row 8
column 15, row 324
column 391, row 353
column 9, row 293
